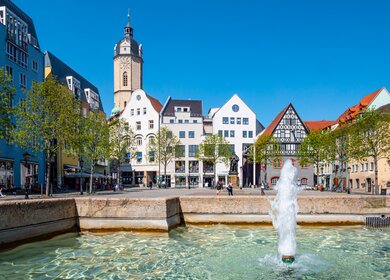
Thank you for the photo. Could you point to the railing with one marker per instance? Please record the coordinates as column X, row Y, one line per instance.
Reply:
column 378, row 222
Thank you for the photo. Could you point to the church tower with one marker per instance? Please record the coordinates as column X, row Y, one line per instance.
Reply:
column 127, row 68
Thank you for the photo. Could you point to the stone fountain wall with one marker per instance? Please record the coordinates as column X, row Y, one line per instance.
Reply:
column 26, row 220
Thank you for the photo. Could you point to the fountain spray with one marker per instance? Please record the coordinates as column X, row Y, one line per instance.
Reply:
column 284, row 210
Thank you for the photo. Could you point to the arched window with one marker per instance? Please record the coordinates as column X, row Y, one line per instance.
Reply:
column 125, row 79
column 294, row 162
column 139, row 141
column 274, row 180
column 304, row 182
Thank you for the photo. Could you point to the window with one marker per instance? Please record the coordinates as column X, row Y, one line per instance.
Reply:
column 192, row 150
column 139, row 141
column 178, row 109
column 220, row 132
column 238, row 120
column 151, row 156
column 195, row 121
column 132, row 112
column 244, row 134
column 232, row 120
column 277, row 163
column 226, row 133
column 180, row 166
column 151, row 139
column 225, row 120
column 193, row 166
column 138, row 111
column 231, row 133
column 9, row 72
column 185, row 110
column 304, row 182
column 180, row 121
column 191, row 134
column 151, row 124
column 169, row 134
column 245, row 121
column 357, row 168
column 171, row 121
column 250, row 134
column 22, row 80
column 139, row 157
column 35, row 66
column 138, row 125
column 366, row 169
column 274, row 181
column 144, row 111
column 362, row 167
column 186, row 121
column 125, row 79
column 125, row 103
column 180, row 150
column 182, row 134
column 371, row 166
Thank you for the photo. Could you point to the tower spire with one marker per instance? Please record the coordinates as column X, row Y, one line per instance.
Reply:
column 128, row 28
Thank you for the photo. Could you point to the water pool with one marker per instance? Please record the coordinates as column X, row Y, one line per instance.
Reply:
column 210, row 252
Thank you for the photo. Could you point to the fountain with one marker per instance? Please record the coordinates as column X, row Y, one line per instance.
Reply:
column 283, row 212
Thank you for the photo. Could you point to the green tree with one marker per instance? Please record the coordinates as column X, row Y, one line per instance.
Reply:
column 166, row 147
column 46, row 120
column 265, row 149
column 7, row 93
column 370, row 138
column 95, row 142
column 318, row 148
column 215, row 149
column 122, row 143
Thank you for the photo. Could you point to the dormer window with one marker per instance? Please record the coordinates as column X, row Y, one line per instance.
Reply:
column 185, row 109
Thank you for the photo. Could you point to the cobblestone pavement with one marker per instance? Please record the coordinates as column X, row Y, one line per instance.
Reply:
column 155, row 193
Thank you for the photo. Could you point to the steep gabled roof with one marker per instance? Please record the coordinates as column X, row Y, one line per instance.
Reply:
column 352, row 112
column 319, row 125
column 270, row 129
column 60, row 70
column 195, row 105
column 155, row 103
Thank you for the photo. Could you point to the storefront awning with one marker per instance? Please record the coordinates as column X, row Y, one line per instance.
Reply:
column 72, row 166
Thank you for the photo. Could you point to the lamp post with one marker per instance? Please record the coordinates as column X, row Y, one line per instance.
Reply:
column 81, row 162
column 26, row 157
column 348, row 184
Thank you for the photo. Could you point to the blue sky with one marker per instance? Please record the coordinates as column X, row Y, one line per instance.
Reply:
column 322, row 56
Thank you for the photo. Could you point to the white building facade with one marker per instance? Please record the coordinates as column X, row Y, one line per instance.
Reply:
column 184, row 118
column 237, row 123
column 142, row 113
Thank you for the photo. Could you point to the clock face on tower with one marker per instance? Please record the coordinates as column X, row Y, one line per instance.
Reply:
column 125, row 62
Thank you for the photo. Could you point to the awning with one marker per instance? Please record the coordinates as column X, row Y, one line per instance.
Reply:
column 72, row 166
column 85, row 175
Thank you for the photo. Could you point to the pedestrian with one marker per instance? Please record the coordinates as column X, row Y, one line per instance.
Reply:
column 1, row 192
column 164, row 185
column 219, row 188
column 262, row 189
column 230, row 189
column 150, row 185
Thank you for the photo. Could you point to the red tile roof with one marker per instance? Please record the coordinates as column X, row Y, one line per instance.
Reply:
column 319, row 125
column 352, row 112
column 155, row 103
column 270, row 129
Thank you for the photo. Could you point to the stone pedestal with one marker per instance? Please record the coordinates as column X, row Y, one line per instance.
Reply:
column 233, row 180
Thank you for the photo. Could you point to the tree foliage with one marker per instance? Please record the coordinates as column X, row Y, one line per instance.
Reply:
column 166, row 147
column 94, row 140
column 122, row 143
column 47, row 119
column 7, row 93
column 370, row 137
column 215, row 149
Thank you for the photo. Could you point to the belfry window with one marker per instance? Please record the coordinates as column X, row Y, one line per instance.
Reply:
column 125, row 79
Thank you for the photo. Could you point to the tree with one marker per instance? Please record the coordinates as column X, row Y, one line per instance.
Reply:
column 166, row 147
column 7, row 93
column 215, row 149
column 94, row 136
column 370, row 137
column 318, row 148
column 46, row 120
column 340, row 138
column 266, row 149
column 122, row 143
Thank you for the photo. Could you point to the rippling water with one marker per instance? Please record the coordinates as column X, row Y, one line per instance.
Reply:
column 214, row 252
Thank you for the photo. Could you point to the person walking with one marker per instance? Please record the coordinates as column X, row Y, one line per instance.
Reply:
column 219, row 188
column 150, row 185
column 262, row 189
column 230, row 189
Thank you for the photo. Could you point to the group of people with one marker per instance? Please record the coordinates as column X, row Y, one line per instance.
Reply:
column 229, row 188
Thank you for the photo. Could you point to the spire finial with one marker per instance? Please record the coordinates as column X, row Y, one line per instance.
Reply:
column 128, row 15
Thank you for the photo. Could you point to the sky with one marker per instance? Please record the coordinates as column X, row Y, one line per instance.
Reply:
column 322, row 56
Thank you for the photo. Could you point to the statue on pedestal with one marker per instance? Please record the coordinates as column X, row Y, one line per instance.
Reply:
column 234, row 164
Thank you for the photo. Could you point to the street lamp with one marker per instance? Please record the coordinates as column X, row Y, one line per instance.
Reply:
column 26, row 157
column 81, row 177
